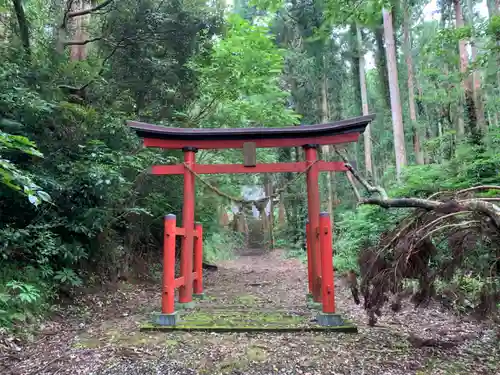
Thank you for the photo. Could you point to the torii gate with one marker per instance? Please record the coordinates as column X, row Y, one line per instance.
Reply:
column 319, row 228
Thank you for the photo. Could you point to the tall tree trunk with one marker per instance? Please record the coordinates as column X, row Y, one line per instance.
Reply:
column 355, row 53
column 364, row 104
column 24, row 30
column 80, row 25
column 381, row 62
column 458, row 117
column 471, row 124
column 411, row 90
column 476, row 75
column 392, row 72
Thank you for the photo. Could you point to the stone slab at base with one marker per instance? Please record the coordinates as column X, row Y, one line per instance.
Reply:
column 348, row 328
column 249, row 320
column 200, row 296
column 330, row 320
column 165, row 320
column 185, row 306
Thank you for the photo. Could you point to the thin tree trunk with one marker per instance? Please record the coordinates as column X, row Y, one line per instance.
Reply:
column 381, row 63
column 471, row 125
column 476, row 75
column 355, row 53
column 458, row 118
column 364, row 104
column 411, row 90
column 392, row 72
column 22, row 21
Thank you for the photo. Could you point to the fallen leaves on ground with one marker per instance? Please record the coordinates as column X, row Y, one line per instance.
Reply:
column 100, row 334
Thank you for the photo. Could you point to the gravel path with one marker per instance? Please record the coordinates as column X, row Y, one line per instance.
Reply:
column 100, row 335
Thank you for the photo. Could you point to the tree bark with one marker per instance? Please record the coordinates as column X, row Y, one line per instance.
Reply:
column 381, row 62
column 355, row 53
column 364, row 104
column 476, row 75
column 24, row 29
column 392, row 72
column 80, row 19
column 419, row 156
column 471, row 124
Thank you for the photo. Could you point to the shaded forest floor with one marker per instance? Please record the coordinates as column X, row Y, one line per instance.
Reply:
column 100, row 334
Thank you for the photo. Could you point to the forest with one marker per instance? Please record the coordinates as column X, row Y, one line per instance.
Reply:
column 421, row 198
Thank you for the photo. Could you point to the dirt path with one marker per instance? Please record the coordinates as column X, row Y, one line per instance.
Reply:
column 101, row 335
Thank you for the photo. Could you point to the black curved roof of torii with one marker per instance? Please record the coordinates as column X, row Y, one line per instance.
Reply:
column 351, row 125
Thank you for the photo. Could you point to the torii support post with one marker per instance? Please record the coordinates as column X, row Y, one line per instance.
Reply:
column 186, row 290
column 327, row 317
column 168, row 316
column 198, row 262
column 313, row 213
column 309, row 263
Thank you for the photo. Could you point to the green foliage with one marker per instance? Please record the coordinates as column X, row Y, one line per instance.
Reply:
column 357, row 229
column 221, row 245
column 239, row 80
column 463, row 292
column 164, row 62
column 23, row 300
column 11, row 176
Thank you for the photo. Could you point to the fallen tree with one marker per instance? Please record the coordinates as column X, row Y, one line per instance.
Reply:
column 413, row 250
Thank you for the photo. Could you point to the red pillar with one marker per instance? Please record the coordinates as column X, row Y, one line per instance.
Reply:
column 186, row 291
column 313, row 213
column 168, row 292
column 327, row 281
column 309, row 260
column 198, row 260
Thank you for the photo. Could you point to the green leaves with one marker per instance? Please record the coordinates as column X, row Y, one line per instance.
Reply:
column 14, row 178
column 67, row 276
column 240, row 84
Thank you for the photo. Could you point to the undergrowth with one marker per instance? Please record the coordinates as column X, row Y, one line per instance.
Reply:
column 222, row 245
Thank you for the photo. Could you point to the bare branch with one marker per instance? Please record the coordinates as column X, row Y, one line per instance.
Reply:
column 484, row 199
column 486, row 208
column 432, row 223
column 481, row 187
column 370, row 188
column 90, row 10
column 82, row 42
column 464, row 224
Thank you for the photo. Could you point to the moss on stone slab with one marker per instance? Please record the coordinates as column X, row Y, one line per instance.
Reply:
column 345, row 328
column 251, row 320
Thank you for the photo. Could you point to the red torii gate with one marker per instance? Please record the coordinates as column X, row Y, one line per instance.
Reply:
column 319, row 226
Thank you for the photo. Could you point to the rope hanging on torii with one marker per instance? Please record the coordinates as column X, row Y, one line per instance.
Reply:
column 259, row 203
